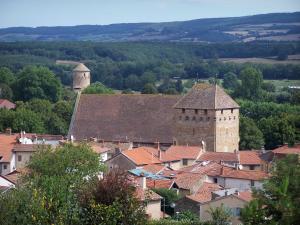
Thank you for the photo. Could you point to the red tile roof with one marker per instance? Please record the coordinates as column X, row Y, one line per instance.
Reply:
column 177, row 152
column 99, row 148
column 146, row 194
column 210, row 169
column 250, row 158
column 219, row 156
column 287, row 150
column 160, row 183
column 243, row 174
column 186, row 180
column 7, row 143
column 4, row 103
column 155, row 168
column 26, row 147
column 142, row 155
column 245, row 195
column 204, row 194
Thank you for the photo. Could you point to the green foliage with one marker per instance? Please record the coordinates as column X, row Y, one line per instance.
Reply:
column 149, row 89
column 278, row 202
column 250, row 136
column 186, row 216
column 27, row 120
column 220, row 215
column 170, row 196
column 6, row 76
column 251, row 82
column 277, row 131
column 5, row 92
column 230, row 81
column 97, row 88
column 48, row 192
column 37, row 82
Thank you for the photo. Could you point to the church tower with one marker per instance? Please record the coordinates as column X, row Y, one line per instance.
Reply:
column 81, row 77
column 207, row 115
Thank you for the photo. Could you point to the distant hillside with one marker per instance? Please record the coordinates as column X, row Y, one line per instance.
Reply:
column 274, row 26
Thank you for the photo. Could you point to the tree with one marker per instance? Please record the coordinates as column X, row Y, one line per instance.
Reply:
column 149, row 89
column 97, row 88
column 250, row 88
column 250, row 136
column 230, row 81
column 6, row 76
column 37, row 82
column 179, row 86
column 220, row 215
column 170, row 196
column 48, row 192
column 26, row 120
column 277, row 131
column 5, row 92
column 278, row 201
column 115, row 193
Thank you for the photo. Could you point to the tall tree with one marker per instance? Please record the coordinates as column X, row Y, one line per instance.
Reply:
column 250, row 136
column 6, row 76
column 230, row 81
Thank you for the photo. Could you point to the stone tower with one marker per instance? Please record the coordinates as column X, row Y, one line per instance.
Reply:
column 207, row 115
column 81, row 77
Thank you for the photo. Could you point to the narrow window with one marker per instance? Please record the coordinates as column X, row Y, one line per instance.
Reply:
column 184, row 162
column 196, row 111
column 205, row 111
column 231, row 110
column 251, row 167
column 183, row 110
column 4, row 167
column 222, row 111
column 215, row 180
column 252, row 183
column 19, row 158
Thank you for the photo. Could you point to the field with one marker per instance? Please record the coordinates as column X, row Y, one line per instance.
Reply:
column 294, row 59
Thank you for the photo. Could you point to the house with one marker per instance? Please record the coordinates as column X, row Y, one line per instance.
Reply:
column 6, row 104
column 151, row 199
column 132, row 158
column 229, row 158
column 21, row 154
column 7, row 142
column 188, row 183
column 250, row 160
column 6, row 182
column 177, row 157
column 206, row 115
column 212, row 196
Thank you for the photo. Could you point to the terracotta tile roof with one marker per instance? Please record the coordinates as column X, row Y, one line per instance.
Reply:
column 99, row 148
column 218, row 157
column 243, row 174
column 142, row 155
column 206, row 96
column 154, row 168
column 160, row 183
column 4, row 103
column 245, row 195
column 146, row 194
column 210, row 169
column 7, row 143
column 186, row 180
column 136, row 118
column 204, row 194
column 250, row 158
column 287, row 150
column 15, row 175
column 177, row 152
column 25, row 147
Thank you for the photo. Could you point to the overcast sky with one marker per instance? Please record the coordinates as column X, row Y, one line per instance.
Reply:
column 77, row 12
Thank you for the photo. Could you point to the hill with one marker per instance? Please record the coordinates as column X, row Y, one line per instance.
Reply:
column 273, row 26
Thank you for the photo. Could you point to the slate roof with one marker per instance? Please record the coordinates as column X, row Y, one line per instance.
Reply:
column 136, row 118
column 206, row 96
column 81, row 68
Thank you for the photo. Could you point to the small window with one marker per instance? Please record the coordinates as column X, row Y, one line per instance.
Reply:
column 5, row 167
column 252, row 183
column 231, row 110
column 194, row 118
column 196, row 111
column 224, row 118
column 229, row 118
column 251, row 167
column 19, row 158
column 222, row 111
column 184, row 162
column 183, row 110
column 215, row 180
column 187, row 118
column 205, row 111
column 215, row 118
column 207, row 118
column 234, row 117
column 200, row 118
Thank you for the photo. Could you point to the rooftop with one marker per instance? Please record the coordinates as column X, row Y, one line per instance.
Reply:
column 206, row 96
column 218, row 157
column 287, row 150
column 81, row 68
column 142, row 155
column 177, row 152
column 7, row 143
column 250, row 158
column 204, row 194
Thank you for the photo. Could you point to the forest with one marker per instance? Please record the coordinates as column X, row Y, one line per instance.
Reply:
column 40, row 88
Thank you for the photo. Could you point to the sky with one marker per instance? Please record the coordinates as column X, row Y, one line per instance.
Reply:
column 77, row 12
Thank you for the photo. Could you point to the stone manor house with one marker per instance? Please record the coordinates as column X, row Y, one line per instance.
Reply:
column 206, row 116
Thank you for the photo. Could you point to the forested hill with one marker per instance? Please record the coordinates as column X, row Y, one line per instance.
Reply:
column 274, row 26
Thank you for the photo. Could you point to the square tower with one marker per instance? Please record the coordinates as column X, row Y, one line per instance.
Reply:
column 207, row 114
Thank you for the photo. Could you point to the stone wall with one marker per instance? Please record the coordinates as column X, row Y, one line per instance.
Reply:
column 81, row 80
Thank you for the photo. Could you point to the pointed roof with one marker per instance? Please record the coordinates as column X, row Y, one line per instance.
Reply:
column 206, row 96
column 81, row 68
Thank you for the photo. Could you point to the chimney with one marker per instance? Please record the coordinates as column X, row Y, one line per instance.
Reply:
column 203, row 146
column 237, row 192
column 143, row 182
column 8, row 131
column 159, row 154
column 222, row 170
